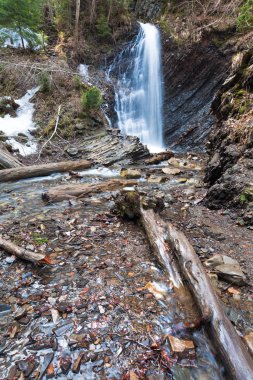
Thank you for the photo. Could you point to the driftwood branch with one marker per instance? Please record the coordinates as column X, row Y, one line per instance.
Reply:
column 22, row 253
column 42, row 170
column 62, row 192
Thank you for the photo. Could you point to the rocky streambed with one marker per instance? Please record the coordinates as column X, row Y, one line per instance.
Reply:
column 105, row 308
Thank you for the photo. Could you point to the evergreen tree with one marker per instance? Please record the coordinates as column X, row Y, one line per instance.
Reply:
column 21, row 15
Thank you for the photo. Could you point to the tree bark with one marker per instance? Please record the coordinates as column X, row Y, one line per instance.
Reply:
column 21, row 36
column 7, row 160
column 42, row 170
column 22, row 253
column 157, row 236
column 230, row 346
column 77, row 21
column 59, row 193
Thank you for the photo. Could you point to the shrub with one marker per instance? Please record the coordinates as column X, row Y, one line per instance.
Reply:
column 45, row 82
column 245, row 18
column 92, row 98
column 102, row 26
column 78, row 83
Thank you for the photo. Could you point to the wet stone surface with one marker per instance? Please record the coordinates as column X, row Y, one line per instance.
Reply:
column 103, row 309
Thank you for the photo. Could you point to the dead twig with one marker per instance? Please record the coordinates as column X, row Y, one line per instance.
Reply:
column 54, row 132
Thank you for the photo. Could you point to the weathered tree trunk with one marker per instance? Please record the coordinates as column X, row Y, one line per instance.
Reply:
column 92, row 11
column 7, row 160
column 41, row 170
column 157, row 235
column 59, row 193
column 232, row 349
column 22, row 253
column 77, row 21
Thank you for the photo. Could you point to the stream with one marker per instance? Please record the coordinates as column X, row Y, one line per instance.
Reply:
column 104, row 308
column 103, row 293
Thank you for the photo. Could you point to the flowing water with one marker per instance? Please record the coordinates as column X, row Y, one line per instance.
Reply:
column 139, row 92
column 21, row 125
column 103, row 293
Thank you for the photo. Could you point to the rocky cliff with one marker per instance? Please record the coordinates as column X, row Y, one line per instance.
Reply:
column 192, row 76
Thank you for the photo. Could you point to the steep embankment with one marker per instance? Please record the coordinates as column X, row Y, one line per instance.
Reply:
column 229, row 173
column 192, row 76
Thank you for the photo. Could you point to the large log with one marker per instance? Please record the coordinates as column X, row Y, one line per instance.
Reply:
column 80, row 190
column 42, row 170
column 7, row 160
column 22, row 253
column 158, row 235
column 237, row 359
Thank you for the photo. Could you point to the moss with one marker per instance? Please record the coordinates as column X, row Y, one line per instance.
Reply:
column 246, row 195
column 39, row 240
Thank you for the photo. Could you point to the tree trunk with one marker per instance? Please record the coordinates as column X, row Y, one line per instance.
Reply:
column 22, row 253
column 21, row 36
column 59, row 193
column 92, row 11
column 230, row 346
column 42, row 170
column 77, row 21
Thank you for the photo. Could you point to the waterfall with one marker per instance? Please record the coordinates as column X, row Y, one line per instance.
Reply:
column 139, row 92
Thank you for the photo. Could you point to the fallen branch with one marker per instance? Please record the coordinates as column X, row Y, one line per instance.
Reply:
column 7, row 160
column 42, row 170
column 60, row 193
column 54, row 132
column 237, row 359
column 22, row 253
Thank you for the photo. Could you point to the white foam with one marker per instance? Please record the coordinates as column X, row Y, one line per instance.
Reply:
column 22, row 123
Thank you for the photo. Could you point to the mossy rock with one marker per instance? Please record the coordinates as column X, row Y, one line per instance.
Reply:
column 246, row 195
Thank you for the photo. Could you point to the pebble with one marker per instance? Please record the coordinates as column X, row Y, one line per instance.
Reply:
column 10, row 259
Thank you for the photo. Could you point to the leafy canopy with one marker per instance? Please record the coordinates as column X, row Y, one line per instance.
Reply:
column 20, row 13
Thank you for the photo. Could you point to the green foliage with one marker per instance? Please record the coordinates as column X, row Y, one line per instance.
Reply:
column 92, row 98
column 245, row 18
column 22, row 16
column 62, row 14
column 247, row 195
column 78, row 83
column 45, row 82
column 102, row 26
column 39, row 240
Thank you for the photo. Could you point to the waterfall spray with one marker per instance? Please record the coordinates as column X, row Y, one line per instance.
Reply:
column 139, row 93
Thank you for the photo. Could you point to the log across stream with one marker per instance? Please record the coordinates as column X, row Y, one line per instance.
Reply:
column 104, row 307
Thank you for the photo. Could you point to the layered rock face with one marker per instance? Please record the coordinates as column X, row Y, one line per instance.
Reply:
column 229, row 173
column 192, row 76
column 148, row 9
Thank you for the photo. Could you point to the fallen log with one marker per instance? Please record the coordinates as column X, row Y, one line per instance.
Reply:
column 22, row 253
column 159, row 157
column 157, row 236
column 42, row 170
column 81, row 190
column 230, row 346
column 7, row 160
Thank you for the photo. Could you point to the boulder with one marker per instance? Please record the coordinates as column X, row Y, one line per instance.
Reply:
column 130, row 173
column 227, row 269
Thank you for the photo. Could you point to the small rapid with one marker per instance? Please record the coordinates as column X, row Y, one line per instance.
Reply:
column 139, row 90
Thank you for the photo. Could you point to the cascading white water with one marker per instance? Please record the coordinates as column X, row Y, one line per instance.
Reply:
column 139, row 92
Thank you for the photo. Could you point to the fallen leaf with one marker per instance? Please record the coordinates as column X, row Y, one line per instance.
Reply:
column 232, row 290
